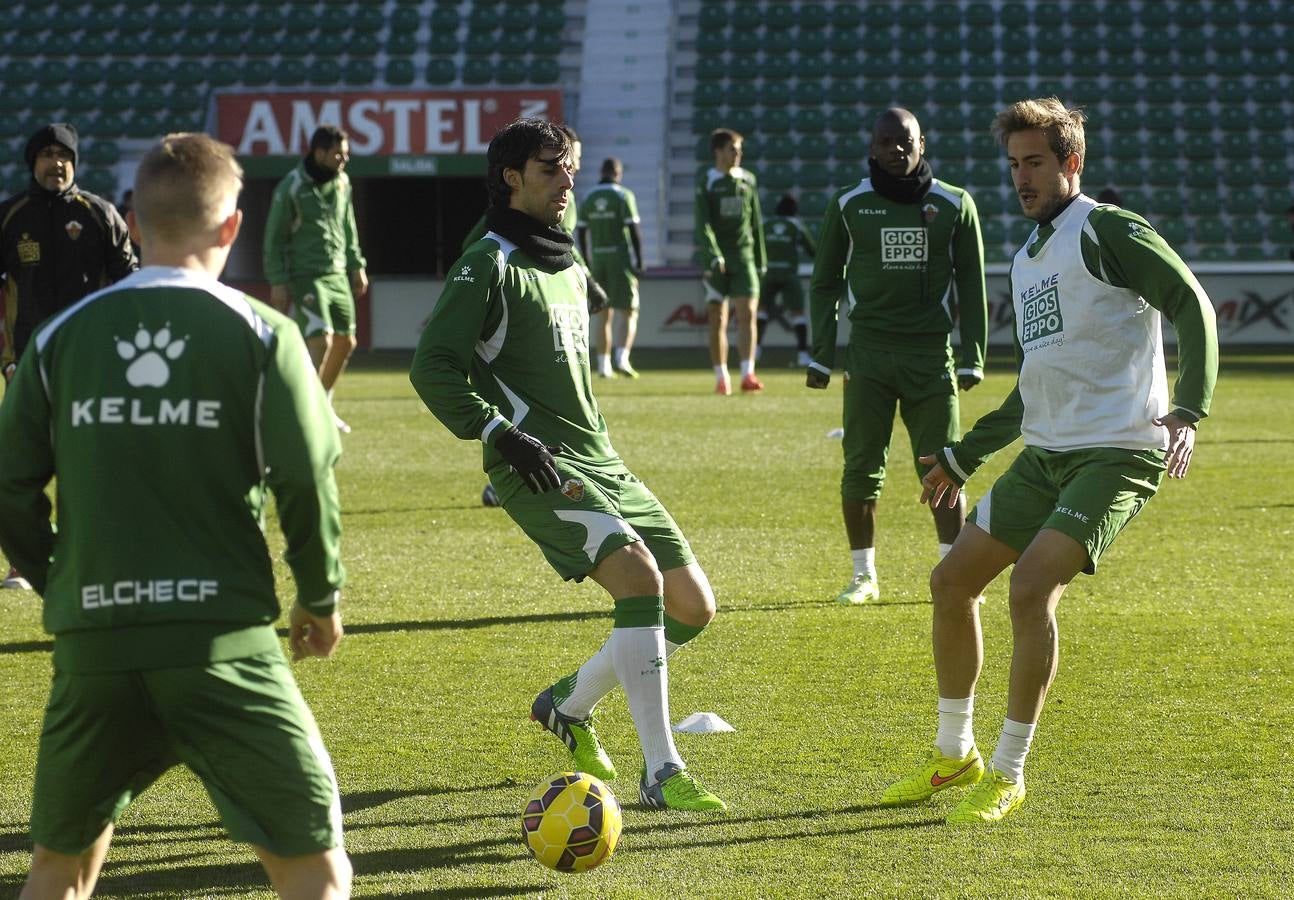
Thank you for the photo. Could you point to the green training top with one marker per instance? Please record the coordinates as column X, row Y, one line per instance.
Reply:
column 728, row 220
column 902, row 268
column 165, row 405
column 785, row 236
column 507, row 343
column 607, row 212
column 1119, row 249
column 310, row 229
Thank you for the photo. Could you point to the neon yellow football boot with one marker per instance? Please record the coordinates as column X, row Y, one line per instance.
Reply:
column 859, row 591
column 937, row 773
column 992, row 800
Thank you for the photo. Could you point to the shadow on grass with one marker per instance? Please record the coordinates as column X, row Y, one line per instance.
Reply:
column 457, row 507
column 356, row 801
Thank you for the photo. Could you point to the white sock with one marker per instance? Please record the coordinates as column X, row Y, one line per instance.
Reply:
column 622, row 356
column 1012, row 748
column 594, row 680
column 955, row 738
column 639, row 658
column 943, row 550
column 747, row 367
column 864, row 561
column 721, row 372
column 604, row 363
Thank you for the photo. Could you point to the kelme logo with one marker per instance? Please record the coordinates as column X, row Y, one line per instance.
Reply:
column 148, row 355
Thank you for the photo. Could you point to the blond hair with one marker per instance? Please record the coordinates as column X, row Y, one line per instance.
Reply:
column 186, row 186
column 1062, row 126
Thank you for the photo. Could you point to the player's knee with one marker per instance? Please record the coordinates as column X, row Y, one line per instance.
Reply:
column 347, row 342
column 644, row 571
column 1030, row 594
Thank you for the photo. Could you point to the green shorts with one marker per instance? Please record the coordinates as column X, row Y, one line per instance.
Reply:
column 323, row 304
column 242, row 726
column 924, row 391
column 1089, row 495
column 741, row 280
column 594, row 514
column 785, row 284
column 616, row 276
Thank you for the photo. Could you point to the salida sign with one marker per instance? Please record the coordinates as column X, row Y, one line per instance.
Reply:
column 380, row 123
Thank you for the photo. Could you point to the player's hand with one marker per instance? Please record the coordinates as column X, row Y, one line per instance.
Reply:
column 279, row 298
column 936, row 485
column 8, row 372
column 358, row 283
column 598, row 298
column 966, row 382
column 1181, row 444
column 818, row 380
column 311, row 635
column 719, row 265
column 530, row 459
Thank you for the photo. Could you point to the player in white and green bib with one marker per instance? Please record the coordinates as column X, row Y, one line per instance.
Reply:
column 608, row 222
column 903, row 250
column 730, row 250
column 1089, row 289
column 784, row 237
column 504, row 360
column 168, row 407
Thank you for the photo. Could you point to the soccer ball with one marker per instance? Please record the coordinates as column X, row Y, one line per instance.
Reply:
column 571, row 822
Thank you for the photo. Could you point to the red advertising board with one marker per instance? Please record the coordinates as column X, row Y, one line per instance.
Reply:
column 380, row 123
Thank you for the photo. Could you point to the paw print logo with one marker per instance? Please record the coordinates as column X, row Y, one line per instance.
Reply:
column 147, row 355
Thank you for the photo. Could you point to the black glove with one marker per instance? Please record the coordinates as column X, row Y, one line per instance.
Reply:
column 530, row 459
column 597, row 297
column 816, row 379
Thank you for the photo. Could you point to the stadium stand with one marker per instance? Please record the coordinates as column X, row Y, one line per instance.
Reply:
column 1190, row 101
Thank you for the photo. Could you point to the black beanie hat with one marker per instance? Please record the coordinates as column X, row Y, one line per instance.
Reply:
column 54, row 133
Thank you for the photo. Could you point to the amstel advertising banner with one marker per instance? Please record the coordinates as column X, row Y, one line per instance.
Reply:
column 410, row 125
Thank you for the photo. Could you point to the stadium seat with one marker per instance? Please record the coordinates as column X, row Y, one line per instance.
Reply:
column 443, row 43
column 1198, row 118
column 846, row 16
column 812, row 147
column 993, row 230
column 1273, row 146
column 713, row 17
column 1279, row 232
column 1202, row 173
column 545, row 70
column 987, row 174
column 477, row 71
column 290, row 72
column 775, row 121
column 1166, row 202
column 844, row 65
column 779, row 16
column 1270, row 117
column 813, row 204
column 810, row 121
column 1246, row 230
column 711, row 68
column 1274, row 173
column 1160, row 118
column 852, row 148
column 742, row 93
column 1213, row 253
column 149, row 98
column 814, row 175
column 709, row 94
column 1209, row 230
column 1236, row 146
column 1019, row 232
column 400, row 71
column 777, row 176
column 1202, row 202
column 809, row 42
column 988, row 201
column 359, row 71
column 143, row 125
column 405, row 20
column 710, row 42
column 512, row 71
column 1163, row 146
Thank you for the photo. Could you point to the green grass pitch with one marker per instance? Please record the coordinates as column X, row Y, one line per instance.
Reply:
column 1162, row 765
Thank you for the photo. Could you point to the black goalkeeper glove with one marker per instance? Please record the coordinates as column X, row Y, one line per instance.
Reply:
column 816, row 379
column 530, row 459
column 597, row 297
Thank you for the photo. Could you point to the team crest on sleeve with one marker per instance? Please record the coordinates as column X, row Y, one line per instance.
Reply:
column 74, row 229
column 929, row 211
column 574, row 489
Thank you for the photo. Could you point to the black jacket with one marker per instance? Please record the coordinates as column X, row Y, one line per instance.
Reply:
column 55, row 249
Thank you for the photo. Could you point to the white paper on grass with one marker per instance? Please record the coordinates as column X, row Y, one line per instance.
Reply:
column 836, row 433
column 703, row 723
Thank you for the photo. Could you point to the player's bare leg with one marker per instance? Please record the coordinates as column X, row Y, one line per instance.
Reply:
column 717, row 313
column 746, row 327
column 949, row 522
column 318, row 346
column 860, row 529
column 314, row 876
column 955, row 585
column 628, row 329
column 1045, row 569
column 340, row 348
column 58, row 875
column 604, row 342
column 688, row 595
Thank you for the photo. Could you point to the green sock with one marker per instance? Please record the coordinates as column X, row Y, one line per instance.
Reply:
column 677, row 634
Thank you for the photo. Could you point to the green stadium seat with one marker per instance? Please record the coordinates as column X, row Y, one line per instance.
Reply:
column 707, row 118
column 1278, row 231
column 1272, row 146
column 1198, row 118
column 711, row 42
column 477, row 70
column 1202, row 202
column 989, row 202
column 1160, row 118
column 852, row 148
column 1199, row 146
column 812, row 148
column 811, row 121
column 1246, row 229
column 405, row 43
column 982, row 146
column 1201, row 173
column 1213, row 253
column 144, row 125
column 1235, row 118
column 257, row 72
column 779, row 16
column 987, row 174
column 1172, row 228
column 121, row 72
column 813, row 204
column 1167, row 202
column 290, row 72
column 551, row 17
column 444, row 18
column 512, row 71
column 981, row 92
column 711, row 68
column 1163, row 145
column 1249, row 252
column 1209, row 230
column 149, row 98
column 1274, row 173
column 1164, row 173
column 708, row 94
column 742, row 93
column 400, row 71
column 746, row 42
column 775, row 121
column 405, row 20
column 359, row 71
column 441, row 71
column 323, row 71
column 545, row 70
column 846, row 16
column 810, row 42
column 1238, row 173
column 713, row 17
column 814, row 175
column 995, row 254
column 99, row 181
column 1019, row 231
column 778, row 176
column 108, row 125
column 1274, row 202
column 978, row 15
column 443, row 43
column 812, row 15
column 993, row 231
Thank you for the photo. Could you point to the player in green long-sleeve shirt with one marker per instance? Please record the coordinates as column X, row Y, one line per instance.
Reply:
column 311, row 254
column 167, row 407
column 1089, row 290
column 784, row 237
column 904, row 250
column 504, row 359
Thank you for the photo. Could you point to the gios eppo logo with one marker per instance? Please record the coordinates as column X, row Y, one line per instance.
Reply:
column 148, row 355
